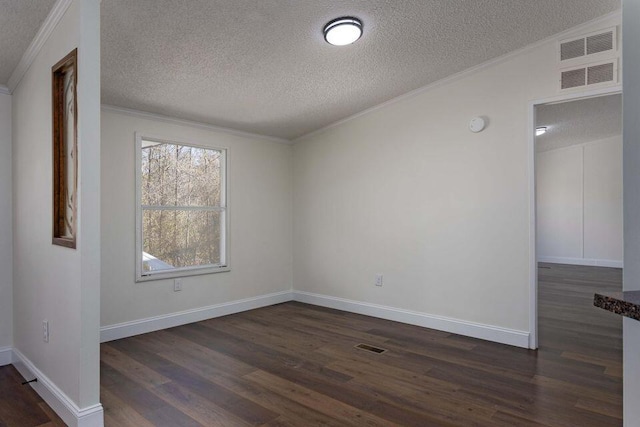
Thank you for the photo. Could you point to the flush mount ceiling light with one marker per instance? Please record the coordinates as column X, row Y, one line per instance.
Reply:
column 541, row 130
column 343, row 31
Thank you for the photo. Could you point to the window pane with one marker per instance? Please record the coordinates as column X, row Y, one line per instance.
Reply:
column 180, row 238
column 180, row 175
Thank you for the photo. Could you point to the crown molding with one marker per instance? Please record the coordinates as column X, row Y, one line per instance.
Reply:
column 200, row 125
column 4, row 90
column 469, row 71
column 47, row 27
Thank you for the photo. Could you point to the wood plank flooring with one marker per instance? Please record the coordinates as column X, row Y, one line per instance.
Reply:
column 296, row 365
column 20, row 405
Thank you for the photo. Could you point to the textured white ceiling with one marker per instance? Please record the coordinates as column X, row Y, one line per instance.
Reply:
column 20, row 20
column 262, row 66
column 577, row 122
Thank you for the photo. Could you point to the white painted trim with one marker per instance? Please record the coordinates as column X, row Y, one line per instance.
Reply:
column 582, row 203
column 616, row 75
column 4, row 90
column 456, row 326
column 47, row 27
column 465, row 73
column 6, row 356
column 190, row 123
column 533, row 265
column 151, row 324
column 71, row 414
column 531, row 153
column 581, row 261
column 441, row 323
column 583, row 94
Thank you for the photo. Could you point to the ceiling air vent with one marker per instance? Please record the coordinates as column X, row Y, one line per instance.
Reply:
column 603, row 41
column 589, row 75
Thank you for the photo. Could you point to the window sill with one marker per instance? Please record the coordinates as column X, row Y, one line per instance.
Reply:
column 182, row 273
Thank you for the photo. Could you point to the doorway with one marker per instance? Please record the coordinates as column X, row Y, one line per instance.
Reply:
column 578, row 234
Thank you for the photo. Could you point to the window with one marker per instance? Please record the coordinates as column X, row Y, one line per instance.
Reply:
column 181, row 209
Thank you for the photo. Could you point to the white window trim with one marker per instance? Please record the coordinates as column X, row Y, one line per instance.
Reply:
column 185, row 271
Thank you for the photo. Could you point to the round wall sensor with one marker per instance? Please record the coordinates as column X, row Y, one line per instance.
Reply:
column 476, row 124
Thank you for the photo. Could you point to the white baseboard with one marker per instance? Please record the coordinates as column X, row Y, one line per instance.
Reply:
column 6, row 356
column 581, row 261
column 456, row 326
column 447, row 324
column 71, row 414
column 151, row 324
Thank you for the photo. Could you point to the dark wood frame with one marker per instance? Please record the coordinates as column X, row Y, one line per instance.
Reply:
column 60, row 166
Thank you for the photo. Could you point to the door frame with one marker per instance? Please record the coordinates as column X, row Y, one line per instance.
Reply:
column 531, row 153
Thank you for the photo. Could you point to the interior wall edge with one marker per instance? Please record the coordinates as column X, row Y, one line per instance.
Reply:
column 6, row 223
column 156, row 323
column 64, row 406
column 6, row 356
column 41, row 37
column 441, row 323
column 200, row 125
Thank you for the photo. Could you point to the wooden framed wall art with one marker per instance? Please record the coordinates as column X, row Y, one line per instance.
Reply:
column 65, row 150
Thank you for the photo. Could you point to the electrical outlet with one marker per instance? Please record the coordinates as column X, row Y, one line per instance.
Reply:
column 177, row 285
column 45, row 330
column 378, row 280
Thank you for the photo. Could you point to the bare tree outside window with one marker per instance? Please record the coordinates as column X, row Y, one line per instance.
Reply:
column 182, row 207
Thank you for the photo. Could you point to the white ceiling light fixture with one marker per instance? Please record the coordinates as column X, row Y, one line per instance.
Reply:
column 343, row 31
column 541, row 130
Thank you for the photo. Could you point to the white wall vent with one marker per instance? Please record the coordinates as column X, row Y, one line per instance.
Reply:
column 590, row 60
column 572, row 49
column 602, row 42
column 573, row 78
column 601, row 73
column 589, row 47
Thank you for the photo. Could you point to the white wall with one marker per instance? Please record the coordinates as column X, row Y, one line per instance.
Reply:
column 559, row 203
column 6, row 249
column 579, row 204
column 51, row 282
column 631, row 152
column 407, row 191
column 259, row 180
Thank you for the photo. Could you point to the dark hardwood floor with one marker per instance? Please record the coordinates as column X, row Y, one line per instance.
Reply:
column 296, row 365
column 20, row 405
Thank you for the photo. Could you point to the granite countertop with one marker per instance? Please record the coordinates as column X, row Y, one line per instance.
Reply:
column 622, row 303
